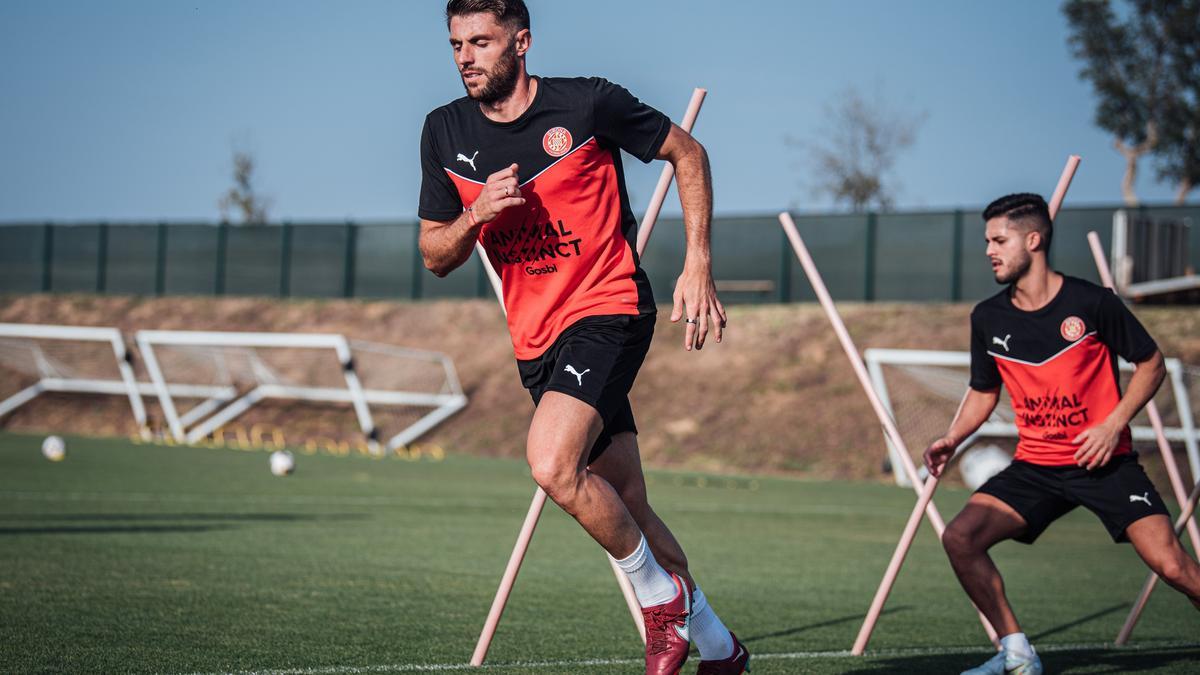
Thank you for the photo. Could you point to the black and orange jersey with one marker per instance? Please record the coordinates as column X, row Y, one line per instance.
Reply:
column 1059, row 364
column 568, row 252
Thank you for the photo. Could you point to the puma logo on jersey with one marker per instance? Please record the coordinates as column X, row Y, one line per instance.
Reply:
column 578, row 375
column 1144, row 498
column 470, row 160
column 1002, row 343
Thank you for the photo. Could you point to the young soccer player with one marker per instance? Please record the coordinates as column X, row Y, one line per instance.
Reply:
column 1053, row 342
column 531, row 168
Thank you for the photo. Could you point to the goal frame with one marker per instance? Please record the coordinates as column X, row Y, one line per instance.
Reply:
column 221, row 407
column 127, row 386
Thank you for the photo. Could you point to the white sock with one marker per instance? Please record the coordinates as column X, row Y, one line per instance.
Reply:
column 652, row 584
column 1017, row 644
column 711, row 636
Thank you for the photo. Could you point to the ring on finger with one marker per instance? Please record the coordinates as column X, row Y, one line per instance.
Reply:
column 690, row 320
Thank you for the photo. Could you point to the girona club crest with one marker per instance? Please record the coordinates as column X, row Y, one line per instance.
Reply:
column 1071, row 328
column 556, row 142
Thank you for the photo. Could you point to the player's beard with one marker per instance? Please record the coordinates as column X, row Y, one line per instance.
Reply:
column 501, row 79
column 1018, row 269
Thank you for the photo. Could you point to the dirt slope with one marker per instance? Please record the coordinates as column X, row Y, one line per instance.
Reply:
column 777, row 396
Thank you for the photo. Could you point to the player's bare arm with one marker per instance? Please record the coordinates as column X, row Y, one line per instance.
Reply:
column 974, row 411
column 695, row 293
column 1096, row 445
column 446, row 245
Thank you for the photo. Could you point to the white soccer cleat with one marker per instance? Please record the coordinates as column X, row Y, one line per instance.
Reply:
column 1005, row 663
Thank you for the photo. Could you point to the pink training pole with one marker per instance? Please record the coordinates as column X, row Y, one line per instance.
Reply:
column 668, row 172
column 889, row 426
column 539, row 497
column 510, row 577
column 1164, row 446
column 922, row 505
column 893, row 568
column 1189, row 507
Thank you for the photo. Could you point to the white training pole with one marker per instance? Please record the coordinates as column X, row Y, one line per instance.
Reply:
column 1164, row 446
column 1189, row 508
column 539, row 497
column 889, row 426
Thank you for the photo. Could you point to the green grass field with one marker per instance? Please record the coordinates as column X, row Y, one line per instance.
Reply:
column 143, row 558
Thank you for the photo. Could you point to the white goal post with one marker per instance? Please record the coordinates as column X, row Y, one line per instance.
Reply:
column 247, row 353
column 998, row 426
column 25, row 349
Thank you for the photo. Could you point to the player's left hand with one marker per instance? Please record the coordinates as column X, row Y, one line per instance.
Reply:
column 1096, row 445
column 696, row 297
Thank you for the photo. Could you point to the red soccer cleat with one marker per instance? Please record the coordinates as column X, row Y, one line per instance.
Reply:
column 667, row 627
column 736, row 664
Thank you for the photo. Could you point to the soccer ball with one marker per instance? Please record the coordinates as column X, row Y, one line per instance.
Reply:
column 54, row 449
column 282, row 463
column 981, row 463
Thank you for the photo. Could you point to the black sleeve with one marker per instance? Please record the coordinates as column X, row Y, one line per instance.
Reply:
column 439, row 197
column 622, row 120
column 1121, row 331
column 985, row 376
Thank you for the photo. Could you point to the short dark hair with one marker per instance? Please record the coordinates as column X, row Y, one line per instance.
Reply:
column 510, row 12
column 1026, row 208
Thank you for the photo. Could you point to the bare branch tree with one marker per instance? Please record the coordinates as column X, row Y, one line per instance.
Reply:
column 856, row 149
column 242, row 198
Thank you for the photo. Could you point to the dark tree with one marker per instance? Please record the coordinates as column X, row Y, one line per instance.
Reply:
column 1139, row 61
column 1178, row 154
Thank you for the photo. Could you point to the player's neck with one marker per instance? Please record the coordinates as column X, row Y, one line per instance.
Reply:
column 515, row 104
column 1037, row 287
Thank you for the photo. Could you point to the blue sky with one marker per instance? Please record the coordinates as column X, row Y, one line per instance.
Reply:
column 129, row 110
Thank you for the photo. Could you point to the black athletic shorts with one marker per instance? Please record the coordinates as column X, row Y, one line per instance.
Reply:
column 594, row 360
column 1119, row 493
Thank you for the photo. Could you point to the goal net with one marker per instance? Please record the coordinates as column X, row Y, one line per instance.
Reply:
column 36, row 359
column 406, row 391
column 922, row 390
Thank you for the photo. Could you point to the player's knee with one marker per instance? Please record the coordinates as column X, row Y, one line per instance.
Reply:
column 957, row 540
column 1171, row 569
column 555, row 476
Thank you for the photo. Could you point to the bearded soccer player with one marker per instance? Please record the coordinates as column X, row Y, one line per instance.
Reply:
column 530, row 167
column 1053, row 342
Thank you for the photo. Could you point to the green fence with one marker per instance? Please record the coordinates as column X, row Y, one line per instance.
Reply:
column 929, row 256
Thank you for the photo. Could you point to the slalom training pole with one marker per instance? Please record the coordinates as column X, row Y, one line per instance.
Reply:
column 1189, row 507
column 905, row 543
column 668, row 172
column 1187, row 503
column 1164, row 446
column 889, row 427
column 539, row 496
